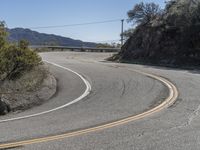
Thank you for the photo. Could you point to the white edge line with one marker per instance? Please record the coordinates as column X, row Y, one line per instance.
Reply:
column 173, row 94
column 86, row 93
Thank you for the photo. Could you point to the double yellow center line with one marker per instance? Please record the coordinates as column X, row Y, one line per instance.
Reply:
column 173, row 94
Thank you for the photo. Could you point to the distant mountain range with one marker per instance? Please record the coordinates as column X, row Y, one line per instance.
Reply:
column 36, row 38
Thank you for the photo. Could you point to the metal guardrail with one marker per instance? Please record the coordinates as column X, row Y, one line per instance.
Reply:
column 81, row 49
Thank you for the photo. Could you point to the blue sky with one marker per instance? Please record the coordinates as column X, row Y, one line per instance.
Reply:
column 34, row 13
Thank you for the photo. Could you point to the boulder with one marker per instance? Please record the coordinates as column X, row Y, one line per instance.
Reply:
column 4, row 108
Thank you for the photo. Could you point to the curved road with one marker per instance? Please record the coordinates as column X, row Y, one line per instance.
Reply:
column 117, row 92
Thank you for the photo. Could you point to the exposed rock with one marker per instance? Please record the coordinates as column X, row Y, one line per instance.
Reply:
column 4, row 108
column 171, row 39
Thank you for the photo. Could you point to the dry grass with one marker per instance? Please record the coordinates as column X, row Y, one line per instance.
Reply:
column 29, row 81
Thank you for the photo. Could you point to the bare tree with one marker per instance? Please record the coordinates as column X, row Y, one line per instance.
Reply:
column 143, row 13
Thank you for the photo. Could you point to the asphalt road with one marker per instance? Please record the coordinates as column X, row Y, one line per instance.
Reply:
column 117, row 92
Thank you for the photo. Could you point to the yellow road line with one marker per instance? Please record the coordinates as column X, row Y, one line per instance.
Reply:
column 173, row 94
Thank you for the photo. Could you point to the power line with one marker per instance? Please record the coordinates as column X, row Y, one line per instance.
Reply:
column 72, row 25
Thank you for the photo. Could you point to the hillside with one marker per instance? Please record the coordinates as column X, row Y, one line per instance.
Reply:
column 171, row 38
column 36, row 38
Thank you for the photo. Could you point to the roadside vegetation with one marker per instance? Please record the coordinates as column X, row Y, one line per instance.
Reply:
column 15, row 58
column 168, row 36
column 107, row 45
column 22, row 75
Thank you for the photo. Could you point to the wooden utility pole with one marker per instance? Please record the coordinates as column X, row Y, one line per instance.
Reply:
column 122, row 32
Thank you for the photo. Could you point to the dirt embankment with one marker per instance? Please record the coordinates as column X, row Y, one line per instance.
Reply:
column 31, row 89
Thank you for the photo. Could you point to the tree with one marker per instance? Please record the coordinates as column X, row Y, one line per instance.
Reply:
column 3, row 34
column 169, row 4
column 104, row 45
column 143, row 13
column 23, row 44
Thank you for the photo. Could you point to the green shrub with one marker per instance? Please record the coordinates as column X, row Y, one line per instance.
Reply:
column 3, row 34
column 23, row 44
column 14, row 60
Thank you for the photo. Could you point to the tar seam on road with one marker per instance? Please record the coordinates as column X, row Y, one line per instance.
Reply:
column 173, row 95
column 86, row 93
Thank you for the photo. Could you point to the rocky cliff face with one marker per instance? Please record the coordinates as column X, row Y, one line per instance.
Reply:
column 172, row 39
